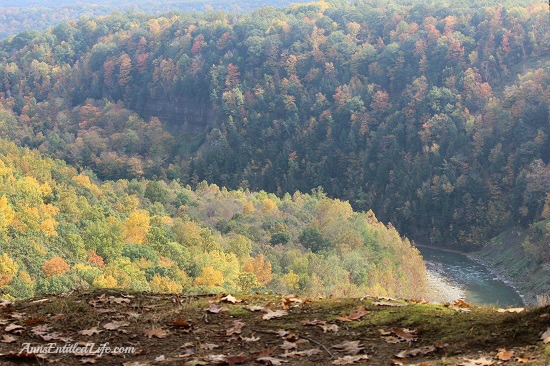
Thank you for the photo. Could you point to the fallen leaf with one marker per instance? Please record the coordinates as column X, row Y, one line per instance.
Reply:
column 196, row 362
column 546, row 336
column 12, row 327
column 208, row 346
column 215, row 309
column 87, row 360
column 266, row 352
column 349, row 360
column 250, row 339
column 392, row 339
column 505, row 355
column 271, row 360
column 180, row 323
column 160, row 358
column 312, row 322
column 288, row 345
column 35, row 320
column 137, row 363
column 237, row 327
column 305, row 353
column 117, row 300
column 270, row 314
column 482, row 361
column 115, row 324
column 254, row 308
column 156, row 332
column 90, row 332
column 407, row 334
column 461, row 303
column 351, row 347
column 329, row 328
column 6, row 338
column 230, row 299
column 420, row 351
column 354, row 315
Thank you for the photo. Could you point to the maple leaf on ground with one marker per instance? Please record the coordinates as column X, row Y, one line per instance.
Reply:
column 215, row 309
column 271, row 360
column 266, row 352
column 87, row 360
column 115, row 324
column 313, row 322
column 305, row 353
column 349, row 360
column 208, row 346
column 288, row 345
column 90, row 332
column 254, row 308
column 354, row 315
column 270, row 314
column 156, row 332
column 6, row 338
column 461, row 303
column 118, row 300
column 250, row 339
column 406, row 334
column 237, row 327
column 35, row 320
column 12, row 327
column 505, row 355
column 180, row 323
column 423, row 350
column 392, row 339
column 289, row 299
column 230, row 299
column 482, row 361
column 330, row 328
column 351, row 347
column 546, row 336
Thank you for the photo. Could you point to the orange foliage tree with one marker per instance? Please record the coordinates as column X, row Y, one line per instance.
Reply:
column 55, row 266
column 261, row 268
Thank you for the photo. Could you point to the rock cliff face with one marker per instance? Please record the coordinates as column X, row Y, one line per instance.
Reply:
column 180, row 114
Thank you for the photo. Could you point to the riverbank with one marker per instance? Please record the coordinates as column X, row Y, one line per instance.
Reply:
column 441, row 289
column 453, row 275
column 505, row 255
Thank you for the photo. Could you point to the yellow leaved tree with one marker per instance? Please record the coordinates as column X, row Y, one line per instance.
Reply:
column 7, row 215
column 8, row 268
column 137, row 226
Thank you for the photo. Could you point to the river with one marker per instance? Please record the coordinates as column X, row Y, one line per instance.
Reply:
column 454, row 274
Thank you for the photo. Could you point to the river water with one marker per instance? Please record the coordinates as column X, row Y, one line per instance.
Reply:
column 477, row 284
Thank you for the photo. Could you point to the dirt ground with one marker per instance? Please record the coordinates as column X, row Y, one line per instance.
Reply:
column 132, row 329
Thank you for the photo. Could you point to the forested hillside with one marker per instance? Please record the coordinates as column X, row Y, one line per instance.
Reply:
column 59, row 230
column 18, row 16
column 433, row 115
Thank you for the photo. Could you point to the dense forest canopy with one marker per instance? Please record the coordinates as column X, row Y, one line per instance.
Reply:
column 59, row 230
column 17, row 16
column 434, row 115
